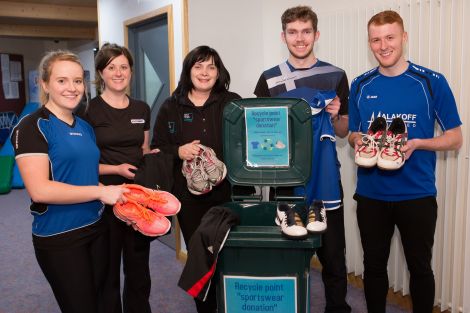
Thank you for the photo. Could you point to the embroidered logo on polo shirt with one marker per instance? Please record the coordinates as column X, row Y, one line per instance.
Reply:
column 171, row 127
column 137, row 121
column 188, row 117
column 75, row 134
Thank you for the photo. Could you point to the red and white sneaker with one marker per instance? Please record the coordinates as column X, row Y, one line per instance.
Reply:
column 367, row 153
column 214, row 168
column 390, row 156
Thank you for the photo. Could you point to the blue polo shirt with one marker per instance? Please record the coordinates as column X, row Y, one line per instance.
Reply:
column 421, row 97
column 73, row 159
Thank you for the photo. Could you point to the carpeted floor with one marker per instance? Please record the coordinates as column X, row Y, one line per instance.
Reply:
column 23, row 288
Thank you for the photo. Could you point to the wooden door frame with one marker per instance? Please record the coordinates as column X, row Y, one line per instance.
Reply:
column 168, row 11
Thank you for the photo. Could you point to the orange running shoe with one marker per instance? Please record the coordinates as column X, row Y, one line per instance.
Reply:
column 160, row 201
column 142, row 219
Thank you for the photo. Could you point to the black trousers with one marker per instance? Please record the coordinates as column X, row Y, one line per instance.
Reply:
column 416, row 221
column 189, row 218
column 134, row 249
column 333, row 260
column 76, row 273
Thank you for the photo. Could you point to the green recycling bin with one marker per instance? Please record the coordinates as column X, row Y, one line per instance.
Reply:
column 267, row 142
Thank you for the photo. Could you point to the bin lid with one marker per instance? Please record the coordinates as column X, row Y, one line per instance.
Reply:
column 268, row 141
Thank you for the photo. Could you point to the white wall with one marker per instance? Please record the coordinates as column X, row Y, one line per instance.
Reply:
column 248, row 35
column 87, row 57
column 113, row 13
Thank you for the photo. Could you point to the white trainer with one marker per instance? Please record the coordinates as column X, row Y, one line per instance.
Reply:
column 316, row 218
column 291, row 224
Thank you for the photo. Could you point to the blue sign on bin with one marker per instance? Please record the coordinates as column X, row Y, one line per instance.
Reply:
column 246, row 294
column 267, row 135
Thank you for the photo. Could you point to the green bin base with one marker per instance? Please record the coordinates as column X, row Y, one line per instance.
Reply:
column 259, row 270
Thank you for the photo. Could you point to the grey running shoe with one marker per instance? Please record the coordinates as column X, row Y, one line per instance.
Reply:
column 196, row 178
column 214, row 168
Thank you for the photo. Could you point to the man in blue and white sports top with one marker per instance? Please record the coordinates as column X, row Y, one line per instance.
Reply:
column 302, row 75
column 405, row 197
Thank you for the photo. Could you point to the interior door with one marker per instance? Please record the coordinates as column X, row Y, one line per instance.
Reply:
column 148, row 42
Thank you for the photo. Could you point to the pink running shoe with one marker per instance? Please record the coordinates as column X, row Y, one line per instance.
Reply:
column 142, row 219
column 215, row 169
column 159, row 201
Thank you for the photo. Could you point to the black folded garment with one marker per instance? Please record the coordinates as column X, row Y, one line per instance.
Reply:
column 155, row 171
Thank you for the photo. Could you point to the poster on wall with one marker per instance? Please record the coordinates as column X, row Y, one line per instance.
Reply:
column 33, row 86
column 11, row 75
column 15, row 71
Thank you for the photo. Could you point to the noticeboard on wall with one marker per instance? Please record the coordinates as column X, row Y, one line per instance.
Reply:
column 12, row 87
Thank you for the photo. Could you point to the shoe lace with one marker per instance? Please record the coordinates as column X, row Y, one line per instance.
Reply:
column 210, row 166
column 145, row 198
column 370, row 142
column 292, row 218
column 393, row 144
column 139, row 210
column 317, row 213
column 198, row 175
column 311, row 216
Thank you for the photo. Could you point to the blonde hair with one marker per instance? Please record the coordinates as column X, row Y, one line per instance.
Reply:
column 45, row 69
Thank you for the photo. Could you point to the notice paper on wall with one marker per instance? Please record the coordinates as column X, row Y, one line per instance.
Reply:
column 5, row 64
column 15, row 71
column 11, row 75
column 11, row 90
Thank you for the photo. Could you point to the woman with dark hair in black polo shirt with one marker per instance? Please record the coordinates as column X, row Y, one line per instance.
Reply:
column 191, row 117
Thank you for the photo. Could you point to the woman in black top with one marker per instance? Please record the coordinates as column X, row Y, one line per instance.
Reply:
column 121, row 125
column 191, row 116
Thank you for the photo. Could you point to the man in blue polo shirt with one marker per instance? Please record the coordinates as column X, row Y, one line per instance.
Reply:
column 405, row 197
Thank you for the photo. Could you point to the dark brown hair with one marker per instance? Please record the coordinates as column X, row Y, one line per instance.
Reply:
column 201, row 54
column 107, row 53
column 302, row 13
